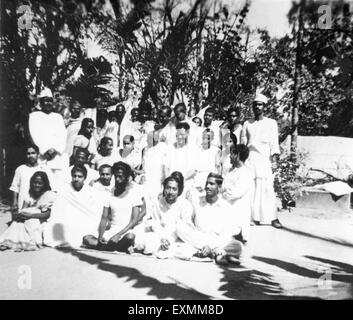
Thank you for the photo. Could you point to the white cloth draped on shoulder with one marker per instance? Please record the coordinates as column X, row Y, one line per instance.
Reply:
column 74, row 215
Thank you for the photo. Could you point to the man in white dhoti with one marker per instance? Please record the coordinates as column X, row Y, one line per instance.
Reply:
column 261, row 136
column 48, row 132
column 75, row 213
column 125, row 210
column 212, row 234
column 238, row 190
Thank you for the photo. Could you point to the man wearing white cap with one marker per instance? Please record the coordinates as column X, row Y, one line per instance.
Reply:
column 47, row 130
column 261, row 136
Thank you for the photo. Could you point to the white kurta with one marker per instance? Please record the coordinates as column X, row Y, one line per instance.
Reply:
column 261, row 136
column 133, row 159
column 163, row 225
column 208, row 160
column 238, row 190
column 153, row 166
column 99, row 160
column 47, row 131
column 211, row 225
column 182, row 159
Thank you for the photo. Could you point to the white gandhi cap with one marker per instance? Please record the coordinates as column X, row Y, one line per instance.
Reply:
column 260, row 98
column 46, row 92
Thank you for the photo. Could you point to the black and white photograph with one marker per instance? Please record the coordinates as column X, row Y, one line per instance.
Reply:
column 178, row 150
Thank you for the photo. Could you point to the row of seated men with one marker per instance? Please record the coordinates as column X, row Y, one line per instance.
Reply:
column 112, row 212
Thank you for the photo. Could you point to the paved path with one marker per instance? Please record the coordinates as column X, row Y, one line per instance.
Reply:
column 277, row 264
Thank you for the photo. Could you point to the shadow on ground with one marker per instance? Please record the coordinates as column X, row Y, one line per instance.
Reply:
column 158, row 289
column 239, row 283
column 252, row 284
column 340, row 271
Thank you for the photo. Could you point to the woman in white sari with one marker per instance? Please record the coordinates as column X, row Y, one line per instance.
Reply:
column 25, row 230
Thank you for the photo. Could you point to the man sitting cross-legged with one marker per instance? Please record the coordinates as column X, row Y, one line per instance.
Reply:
column 75, row 213
column 160, row 234
column 127, row 208
column 212, row 233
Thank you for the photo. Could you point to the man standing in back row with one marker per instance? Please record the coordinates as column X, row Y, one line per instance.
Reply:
column 261, row 136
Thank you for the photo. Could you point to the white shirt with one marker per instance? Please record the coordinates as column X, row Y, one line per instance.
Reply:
column 213, row 218
column 133, row 159
column 165, row 216
column 99, row 160
column 182, row 159
column 261, row 136
column 47, row 131
column 121, row 206
column 208, row 160
column 238, row 187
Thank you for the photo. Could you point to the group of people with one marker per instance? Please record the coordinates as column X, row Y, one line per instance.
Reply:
column 134, row 180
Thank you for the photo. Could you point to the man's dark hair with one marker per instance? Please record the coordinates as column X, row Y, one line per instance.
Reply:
column 104, row 166
column 122, row 166
column 84, row 124
column 33, row 146
column 242, row 150
column 217, row 177
column 120, row 105
column 83, row 150
column 233, row 109
column 79, row 168
column 183, row 125
column 169, row 109
column 179, row 183
column 178, row 175
column 210, row 110
column 180, row 105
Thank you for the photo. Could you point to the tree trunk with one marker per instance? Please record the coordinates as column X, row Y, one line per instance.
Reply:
column 295, row 111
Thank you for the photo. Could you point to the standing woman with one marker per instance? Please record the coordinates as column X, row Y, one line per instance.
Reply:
column 85, row 137
column 25, row 230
